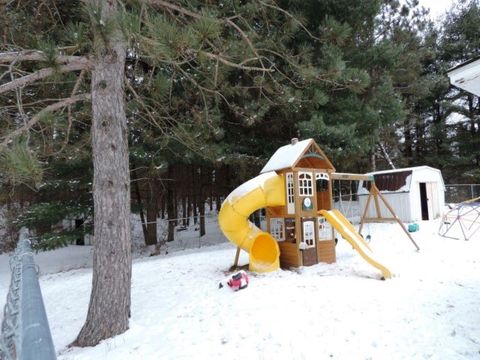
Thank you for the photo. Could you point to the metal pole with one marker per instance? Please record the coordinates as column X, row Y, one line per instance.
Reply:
column 36, row 339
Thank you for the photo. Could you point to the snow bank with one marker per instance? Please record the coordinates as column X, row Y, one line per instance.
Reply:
column 326, row 311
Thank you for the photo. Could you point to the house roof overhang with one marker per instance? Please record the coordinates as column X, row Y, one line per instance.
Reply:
column 466, row 76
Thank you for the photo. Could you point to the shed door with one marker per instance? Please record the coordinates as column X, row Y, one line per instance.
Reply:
column 424, row 200
column 427, row 200
column 432, row 196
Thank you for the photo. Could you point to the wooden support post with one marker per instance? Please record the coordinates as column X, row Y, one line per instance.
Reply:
column 397, row 219
column 364, row 216
column 237, row 256
column 375, row 193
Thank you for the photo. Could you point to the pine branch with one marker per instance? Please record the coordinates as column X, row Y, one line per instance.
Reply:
column 145, row 107
column 195, row 15
column 44, row 73
column 235, row 65
column 38, row 116
column 286, row 13
column 181, row 10
column 246, row 39
column 35, row 55
column 69, row 110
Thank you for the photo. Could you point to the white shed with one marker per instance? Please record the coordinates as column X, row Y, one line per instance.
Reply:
column 416, row 193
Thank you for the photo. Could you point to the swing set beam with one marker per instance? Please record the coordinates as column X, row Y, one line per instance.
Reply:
column 348, row 176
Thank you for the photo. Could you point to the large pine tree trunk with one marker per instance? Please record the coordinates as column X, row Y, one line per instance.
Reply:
column 109, row 307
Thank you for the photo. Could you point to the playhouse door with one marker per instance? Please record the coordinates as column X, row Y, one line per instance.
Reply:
column 309, row 252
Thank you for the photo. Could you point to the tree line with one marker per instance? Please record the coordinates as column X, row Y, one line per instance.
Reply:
column 159, row 108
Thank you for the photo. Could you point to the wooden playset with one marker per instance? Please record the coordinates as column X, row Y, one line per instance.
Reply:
column 295, row 188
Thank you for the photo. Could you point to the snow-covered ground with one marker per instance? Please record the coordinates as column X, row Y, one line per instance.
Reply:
column 429, row 310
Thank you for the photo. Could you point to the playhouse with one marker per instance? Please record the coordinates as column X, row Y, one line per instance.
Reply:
column 307, row 172
column 295, row 188
column 415, row 193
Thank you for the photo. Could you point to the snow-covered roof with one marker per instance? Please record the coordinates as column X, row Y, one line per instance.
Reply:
column 412, row 169
column 289, row 155
column 466, row 76
column 286, row 156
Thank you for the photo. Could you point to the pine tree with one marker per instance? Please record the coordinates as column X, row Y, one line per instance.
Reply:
column 196, row 67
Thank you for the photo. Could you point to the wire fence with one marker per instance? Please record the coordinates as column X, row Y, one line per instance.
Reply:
column 25, row 333
column 457, row 193
column 185, row 235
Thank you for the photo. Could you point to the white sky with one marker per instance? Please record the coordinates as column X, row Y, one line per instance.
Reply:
column 437, row 7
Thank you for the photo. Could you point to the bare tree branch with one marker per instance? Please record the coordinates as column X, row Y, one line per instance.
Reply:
column 38, row 116
column 35, row 55
column 43, row 73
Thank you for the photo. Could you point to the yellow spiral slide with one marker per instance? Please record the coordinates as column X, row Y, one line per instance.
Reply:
column 265, row 190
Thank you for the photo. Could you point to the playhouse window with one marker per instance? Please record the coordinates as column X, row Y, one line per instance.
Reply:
column 290, row 194
column 305, row 184
column 321, row 180
column 277, row 228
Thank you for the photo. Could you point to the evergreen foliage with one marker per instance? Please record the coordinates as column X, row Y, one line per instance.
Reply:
column 220, row 86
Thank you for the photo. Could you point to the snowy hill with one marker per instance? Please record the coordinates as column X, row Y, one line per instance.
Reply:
column 429, row 310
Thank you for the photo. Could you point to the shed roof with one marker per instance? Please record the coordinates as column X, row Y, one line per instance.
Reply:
column 413, row 168
column 399, row 180
column 290, row 155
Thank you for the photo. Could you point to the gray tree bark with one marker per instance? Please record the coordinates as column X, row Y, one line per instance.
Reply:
column 109, row 307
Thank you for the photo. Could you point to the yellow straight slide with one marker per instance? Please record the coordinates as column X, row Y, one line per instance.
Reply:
column 265, row 190
column 344, row 227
